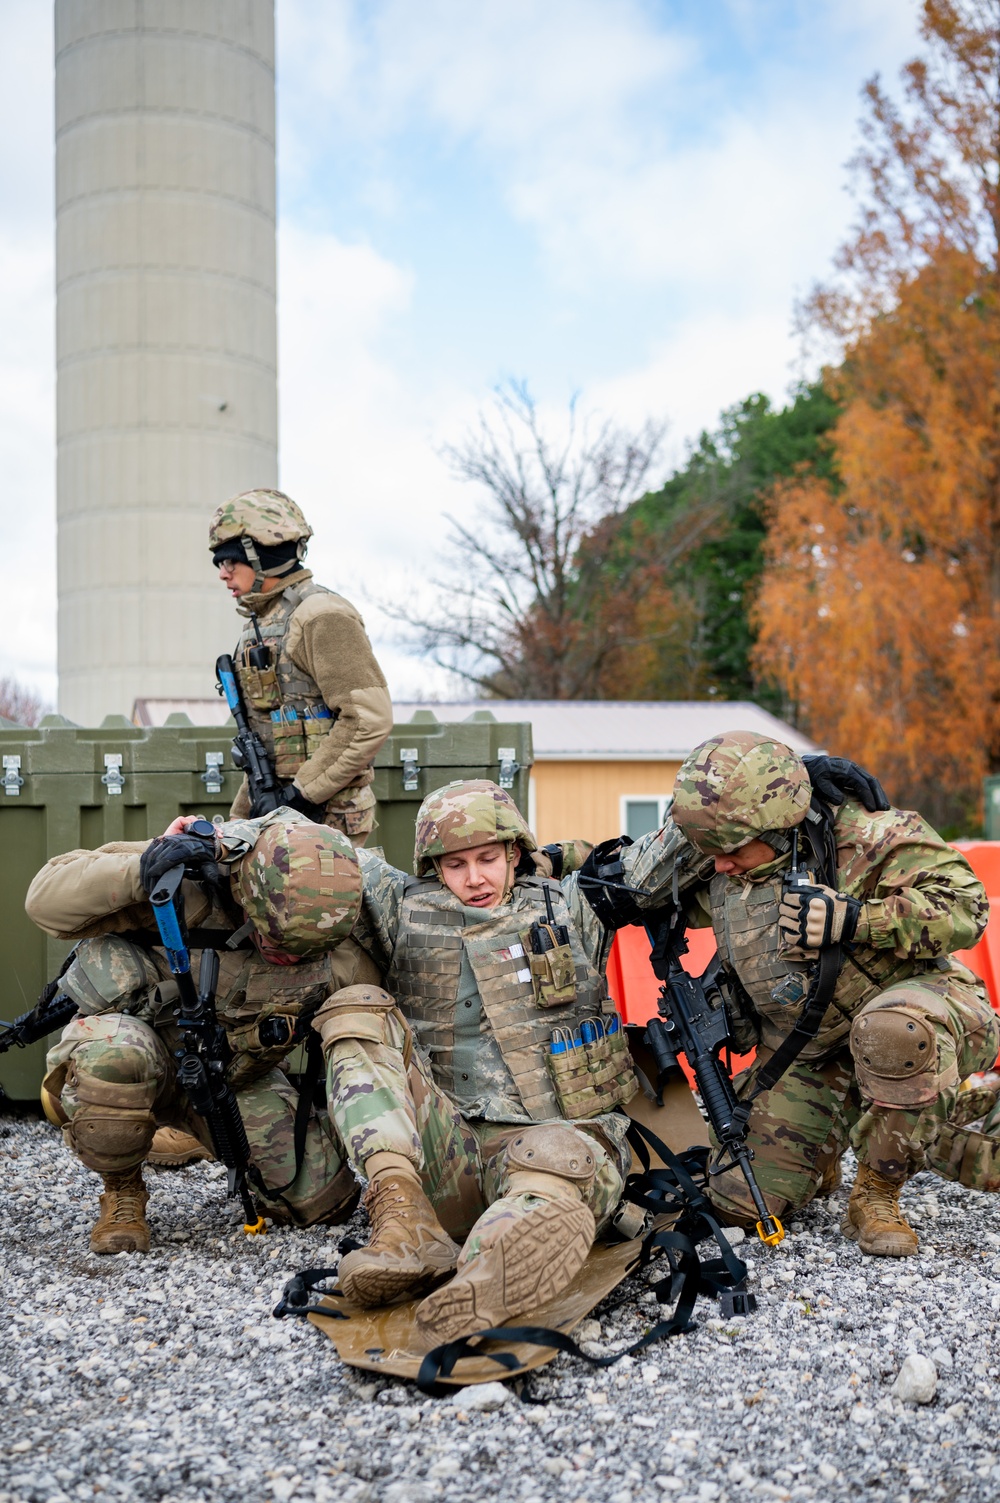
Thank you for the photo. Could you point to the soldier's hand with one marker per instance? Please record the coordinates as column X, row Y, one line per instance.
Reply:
column 294, row 798
column 835, row 778
column 194, row 852
column 811, row 918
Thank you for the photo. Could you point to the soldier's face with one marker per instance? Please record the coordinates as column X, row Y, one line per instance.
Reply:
column 237, row 578
column 477, row 877
column 754, row 853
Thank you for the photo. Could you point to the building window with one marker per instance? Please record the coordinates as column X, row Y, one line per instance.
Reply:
column 643, row 812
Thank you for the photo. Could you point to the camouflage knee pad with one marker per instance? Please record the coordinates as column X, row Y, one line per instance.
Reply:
column 553, row 1161
column 915, row 1042
column 105, row 1073
column 355, row 1012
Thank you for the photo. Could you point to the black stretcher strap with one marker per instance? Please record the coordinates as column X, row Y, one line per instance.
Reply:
column 674, row 1187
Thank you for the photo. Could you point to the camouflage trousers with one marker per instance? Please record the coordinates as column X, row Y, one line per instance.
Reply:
column 802, row 1126
column 383, row 1098
column 113, row 1080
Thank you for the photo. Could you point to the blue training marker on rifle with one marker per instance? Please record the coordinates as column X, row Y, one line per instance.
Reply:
column 229, row 689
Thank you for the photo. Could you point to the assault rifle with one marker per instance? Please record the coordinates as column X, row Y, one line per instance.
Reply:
column 249, row 753
column 52, row 1010
column 202, row 1058
column 693, row 1022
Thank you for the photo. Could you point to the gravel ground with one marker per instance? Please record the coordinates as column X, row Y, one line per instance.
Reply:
column 165, row 1378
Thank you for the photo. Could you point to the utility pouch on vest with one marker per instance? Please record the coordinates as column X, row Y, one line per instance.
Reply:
column 296, row 735
column 258, row 1047
column 259, row 685
column 591, row 1069
column 550, row 959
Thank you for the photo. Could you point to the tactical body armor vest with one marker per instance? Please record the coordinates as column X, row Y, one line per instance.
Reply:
column 745, row 920
column 284, row 705
column 434, row 933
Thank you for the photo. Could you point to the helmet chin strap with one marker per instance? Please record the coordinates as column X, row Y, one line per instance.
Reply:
column 260, row 574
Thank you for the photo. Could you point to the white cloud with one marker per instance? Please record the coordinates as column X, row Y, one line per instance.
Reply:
column 358, row 445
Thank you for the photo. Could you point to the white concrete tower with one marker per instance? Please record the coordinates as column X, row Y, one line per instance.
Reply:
column 166, row 331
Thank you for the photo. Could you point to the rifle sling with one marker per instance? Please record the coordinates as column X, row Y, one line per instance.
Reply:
column 824, row 980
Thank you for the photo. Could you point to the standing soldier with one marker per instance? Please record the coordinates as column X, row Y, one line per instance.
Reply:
column 315, row 695
column 843, row 979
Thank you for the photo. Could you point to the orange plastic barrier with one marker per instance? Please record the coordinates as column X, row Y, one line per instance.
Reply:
column 635, row 988
column 984, row 858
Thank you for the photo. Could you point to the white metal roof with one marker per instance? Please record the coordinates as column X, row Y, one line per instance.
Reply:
column 606, row 730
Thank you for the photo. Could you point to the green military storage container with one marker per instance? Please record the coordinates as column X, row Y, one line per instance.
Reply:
column 63, row 787
column 425, row 753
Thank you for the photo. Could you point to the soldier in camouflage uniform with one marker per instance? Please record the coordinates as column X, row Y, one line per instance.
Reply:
column 111, row 1079
column 906, row 1023
column 476, row 1096
column 321, row 707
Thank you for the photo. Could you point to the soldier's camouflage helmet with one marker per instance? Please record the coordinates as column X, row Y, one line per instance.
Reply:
column 465, row 814
column 735, row 788
column 268, row 517
column 300, row 886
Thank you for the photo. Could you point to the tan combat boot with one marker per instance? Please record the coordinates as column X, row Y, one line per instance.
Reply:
column 122, row 1225
column 408, row 1251
column 873, row 1219
column 172, row 1146
column 521, row 1264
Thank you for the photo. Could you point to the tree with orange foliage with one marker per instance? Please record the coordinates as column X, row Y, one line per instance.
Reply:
column 879, row 609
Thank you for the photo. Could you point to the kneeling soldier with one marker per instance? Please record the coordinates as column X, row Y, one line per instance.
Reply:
column 111, row 1079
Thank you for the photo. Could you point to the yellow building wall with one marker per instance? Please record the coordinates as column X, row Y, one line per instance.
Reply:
column 583, row 799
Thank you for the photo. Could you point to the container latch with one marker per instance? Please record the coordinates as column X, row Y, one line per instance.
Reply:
column 12, row 779
column 212, row 776
column 112, row 776
column 411, row 769
column 509, row 765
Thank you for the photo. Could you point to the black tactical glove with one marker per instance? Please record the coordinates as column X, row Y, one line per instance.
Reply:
column 836, row 777
column 196, row 853
column 810, row 918
column 296, row 799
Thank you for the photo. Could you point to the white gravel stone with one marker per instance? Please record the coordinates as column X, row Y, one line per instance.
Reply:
column 917, row 1380
column 167, row 1386
column 482, row 1396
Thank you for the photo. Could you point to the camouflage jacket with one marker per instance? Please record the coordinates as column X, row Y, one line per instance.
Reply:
column 90, row 894
column 322, row 709
column 920, row 901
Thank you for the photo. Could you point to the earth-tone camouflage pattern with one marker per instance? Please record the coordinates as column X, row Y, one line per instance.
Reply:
column 294, row 742
column 300, row 886
column 920, row 901
column 462, row 815
column 126, row 1051
column 269, row 517
column 968, row 1146
column 733, row 788
column 805, row 1122
column 380, row 1105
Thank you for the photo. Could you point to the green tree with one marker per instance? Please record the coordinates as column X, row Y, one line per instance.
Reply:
column 687, row 558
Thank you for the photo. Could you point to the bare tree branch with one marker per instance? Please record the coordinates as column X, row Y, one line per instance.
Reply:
column 511, row 612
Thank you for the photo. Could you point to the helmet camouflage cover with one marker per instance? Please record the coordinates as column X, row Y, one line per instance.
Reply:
column 300, row 885
column 268, row 517
column 465, row 814
column 736, row 787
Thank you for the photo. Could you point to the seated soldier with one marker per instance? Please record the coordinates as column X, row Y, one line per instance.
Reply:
column 477, row 1095
column 112, row 1079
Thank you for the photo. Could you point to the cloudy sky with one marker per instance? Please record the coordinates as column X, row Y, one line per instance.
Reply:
column 621, row 198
